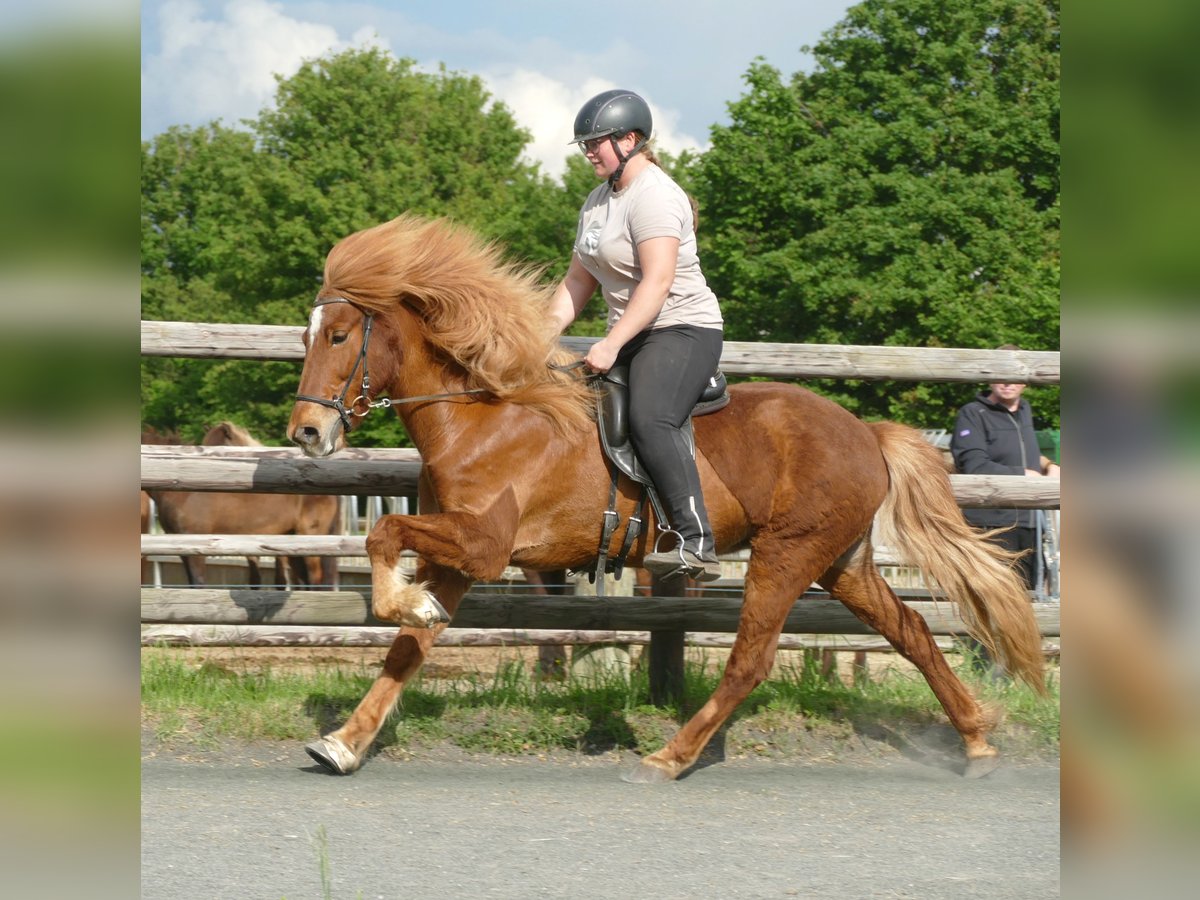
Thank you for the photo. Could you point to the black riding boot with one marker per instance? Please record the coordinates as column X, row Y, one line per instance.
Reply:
column 685, row 560
column 693, row 551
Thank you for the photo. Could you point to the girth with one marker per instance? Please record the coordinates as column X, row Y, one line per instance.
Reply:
column 613, row 421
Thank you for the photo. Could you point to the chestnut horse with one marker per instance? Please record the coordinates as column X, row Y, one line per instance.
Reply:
column 218, row 512
column 463, row 346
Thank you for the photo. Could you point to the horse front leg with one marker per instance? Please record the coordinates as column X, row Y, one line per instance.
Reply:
column 478, row 545
column 344, row 750
column 253, row 572
column 455, row 549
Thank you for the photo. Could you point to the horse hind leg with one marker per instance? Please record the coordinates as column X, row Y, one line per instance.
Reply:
column 829, row 666
column 344, row 750
column 778, row 573
column 860, row 587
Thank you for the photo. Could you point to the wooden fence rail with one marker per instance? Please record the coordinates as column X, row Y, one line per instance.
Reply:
column 394, row 472
column 284, row 342
column 367, row 636
column 813, row 613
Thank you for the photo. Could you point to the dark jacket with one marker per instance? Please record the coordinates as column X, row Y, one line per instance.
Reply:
column 990, row 440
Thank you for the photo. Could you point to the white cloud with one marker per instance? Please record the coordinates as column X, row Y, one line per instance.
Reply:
column 547, row 108
column 222, row 65
column 225, row 67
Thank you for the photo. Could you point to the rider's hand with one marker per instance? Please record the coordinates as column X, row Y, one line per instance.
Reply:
column 600, row 356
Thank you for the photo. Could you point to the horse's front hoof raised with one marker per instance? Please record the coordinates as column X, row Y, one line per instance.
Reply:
column 647, row 773
column 332, row 755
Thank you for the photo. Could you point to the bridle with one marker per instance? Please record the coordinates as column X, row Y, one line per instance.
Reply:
column 338, row 403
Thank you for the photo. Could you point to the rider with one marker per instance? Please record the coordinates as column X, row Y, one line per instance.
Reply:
column 636, row 241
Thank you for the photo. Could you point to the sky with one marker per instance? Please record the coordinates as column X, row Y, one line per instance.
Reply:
column 204, row 60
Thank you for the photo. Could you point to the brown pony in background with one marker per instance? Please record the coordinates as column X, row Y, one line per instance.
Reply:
column 462, row 344
column 215, row 512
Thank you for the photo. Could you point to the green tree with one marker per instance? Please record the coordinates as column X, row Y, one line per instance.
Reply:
column 236, row 224
column 905, row 193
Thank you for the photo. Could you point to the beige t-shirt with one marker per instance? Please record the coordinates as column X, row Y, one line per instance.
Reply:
column 612, row 224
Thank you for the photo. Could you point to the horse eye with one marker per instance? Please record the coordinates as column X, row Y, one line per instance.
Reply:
column 339, row 337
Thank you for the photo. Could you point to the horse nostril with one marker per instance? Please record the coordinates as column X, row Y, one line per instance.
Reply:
column 305, row 435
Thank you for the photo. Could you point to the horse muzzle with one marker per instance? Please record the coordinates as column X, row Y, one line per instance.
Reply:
column 317, row 438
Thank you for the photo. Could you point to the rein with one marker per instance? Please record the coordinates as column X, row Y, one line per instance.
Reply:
column 567, row 367
column 577, row 364
column 338, row 403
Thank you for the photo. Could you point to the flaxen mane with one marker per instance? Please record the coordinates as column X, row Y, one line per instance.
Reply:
column 489, row 316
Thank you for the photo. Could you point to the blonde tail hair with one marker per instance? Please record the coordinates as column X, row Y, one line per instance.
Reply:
column 921, row 518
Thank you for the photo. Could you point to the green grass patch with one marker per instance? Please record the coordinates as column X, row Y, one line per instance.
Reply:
column 510, row 711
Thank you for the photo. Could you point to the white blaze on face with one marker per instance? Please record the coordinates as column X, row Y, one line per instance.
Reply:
column 314, row 323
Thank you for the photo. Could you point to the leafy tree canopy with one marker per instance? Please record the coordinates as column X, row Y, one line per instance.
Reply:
column 905, row 193
column 236, row 224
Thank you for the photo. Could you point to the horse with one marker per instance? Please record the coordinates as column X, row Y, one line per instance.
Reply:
column 424, row 316
column 147, row 566
column 318, row 514
column 214, row 512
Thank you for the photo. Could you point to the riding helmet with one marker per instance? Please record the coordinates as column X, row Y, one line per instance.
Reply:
column 616, row 112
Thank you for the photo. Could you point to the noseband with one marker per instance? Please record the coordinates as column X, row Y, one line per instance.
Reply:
column 338, row 403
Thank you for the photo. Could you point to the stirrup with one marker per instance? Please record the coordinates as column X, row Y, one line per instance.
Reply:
column 673, row 562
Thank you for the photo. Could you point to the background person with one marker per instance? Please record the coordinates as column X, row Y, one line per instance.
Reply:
column 636, row 241
column 993, row 435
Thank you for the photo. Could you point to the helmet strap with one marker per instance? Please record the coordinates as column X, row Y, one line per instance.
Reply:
column 616, row 176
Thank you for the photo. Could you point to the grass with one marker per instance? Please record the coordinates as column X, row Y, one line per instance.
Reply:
column 509, row 711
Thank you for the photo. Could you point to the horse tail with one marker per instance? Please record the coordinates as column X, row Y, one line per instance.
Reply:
column 920, row 517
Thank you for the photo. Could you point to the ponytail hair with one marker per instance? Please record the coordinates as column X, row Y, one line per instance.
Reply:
column 648, row 152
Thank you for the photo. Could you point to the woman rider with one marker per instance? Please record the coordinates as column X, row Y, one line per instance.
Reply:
column 636, row 241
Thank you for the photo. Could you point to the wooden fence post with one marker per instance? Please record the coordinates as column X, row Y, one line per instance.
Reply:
column 666, row 647
column 608, row 659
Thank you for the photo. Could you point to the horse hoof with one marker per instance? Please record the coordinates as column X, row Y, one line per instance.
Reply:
column 332, row 755
column 980, row 766
column 646, row 773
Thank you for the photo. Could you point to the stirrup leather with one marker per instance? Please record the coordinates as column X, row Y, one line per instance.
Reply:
column 612, row 406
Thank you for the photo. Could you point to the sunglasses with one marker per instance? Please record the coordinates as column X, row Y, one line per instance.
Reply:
column 593, row 145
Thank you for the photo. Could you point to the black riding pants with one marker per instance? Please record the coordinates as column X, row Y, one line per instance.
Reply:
column 668, row 371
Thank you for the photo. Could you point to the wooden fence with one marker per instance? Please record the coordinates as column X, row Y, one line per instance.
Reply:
column 343, row 618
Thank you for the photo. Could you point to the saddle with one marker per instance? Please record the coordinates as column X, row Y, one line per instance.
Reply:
column 613, row 422
column 613, row 408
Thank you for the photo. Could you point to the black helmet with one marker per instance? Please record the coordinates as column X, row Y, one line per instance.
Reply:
column 613, row 112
